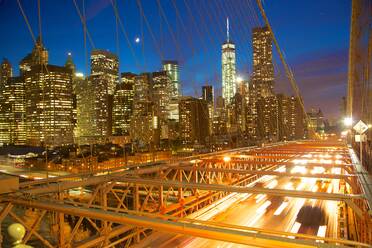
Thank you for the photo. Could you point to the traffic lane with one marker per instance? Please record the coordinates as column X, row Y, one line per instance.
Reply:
column 232, row 215
column 245, row 213
column 283, row 217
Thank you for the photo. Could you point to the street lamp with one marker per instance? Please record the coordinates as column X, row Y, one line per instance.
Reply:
column 226, row 159
column 239, row 79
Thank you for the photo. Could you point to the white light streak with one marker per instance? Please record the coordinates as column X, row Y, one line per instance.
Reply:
column 281, row 208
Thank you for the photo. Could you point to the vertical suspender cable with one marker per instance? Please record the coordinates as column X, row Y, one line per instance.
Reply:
column 27, row 22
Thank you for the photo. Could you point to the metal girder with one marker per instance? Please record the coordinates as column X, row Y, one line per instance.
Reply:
column 284, row 163
column 346, row 178
column 364, row 179
column 204, row 231
column 240, row 189
column 268, row 172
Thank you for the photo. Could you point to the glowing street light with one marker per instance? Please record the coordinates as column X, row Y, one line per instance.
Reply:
column 348, row 121
column 226, row 159
column 239, row 79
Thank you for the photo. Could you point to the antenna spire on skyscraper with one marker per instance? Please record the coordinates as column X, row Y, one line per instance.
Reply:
column 227, row 29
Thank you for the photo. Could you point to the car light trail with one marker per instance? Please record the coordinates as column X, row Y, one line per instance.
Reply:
column 281, row 169
column 260, row 198
column 272, row 184
column 289, row 186
column 260, row 211
column 296, row 226
column 263, row 208
column 301, row 186
column 299, row 169
column 329, row 190
column 321, row 233
column 317, row 170
column 281, row 208
column 314, row 188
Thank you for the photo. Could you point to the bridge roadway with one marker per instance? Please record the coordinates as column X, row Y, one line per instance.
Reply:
column 295, row 203
column 262, row 211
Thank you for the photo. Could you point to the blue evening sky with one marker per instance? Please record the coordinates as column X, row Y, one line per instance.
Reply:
column 314, row 35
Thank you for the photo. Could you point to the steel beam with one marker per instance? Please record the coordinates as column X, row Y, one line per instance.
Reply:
column 268, row 172
column 239, row 189
column 209, row 232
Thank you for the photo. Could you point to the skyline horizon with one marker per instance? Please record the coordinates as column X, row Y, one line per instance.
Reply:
column 201, row 65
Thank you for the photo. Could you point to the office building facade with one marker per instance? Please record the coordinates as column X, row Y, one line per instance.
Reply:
column 123, row 105
column 48, row 95
column 194, row 121
column 228, row 69
column 171, row 67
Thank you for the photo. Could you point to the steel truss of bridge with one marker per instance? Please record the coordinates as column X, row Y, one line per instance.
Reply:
column 124, row 205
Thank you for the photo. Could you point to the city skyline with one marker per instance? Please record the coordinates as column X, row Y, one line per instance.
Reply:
column 185, row 123
column 192, row 77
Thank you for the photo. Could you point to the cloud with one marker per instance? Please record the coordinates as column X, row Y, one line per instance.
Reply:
column 322, row 79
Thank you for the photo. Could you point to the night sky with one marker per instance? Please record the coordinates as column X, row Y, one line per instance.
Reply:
column 314, row 35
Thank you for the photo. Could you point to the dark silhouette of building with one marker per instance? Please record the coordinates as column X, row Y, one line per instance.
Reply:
column 194, row 121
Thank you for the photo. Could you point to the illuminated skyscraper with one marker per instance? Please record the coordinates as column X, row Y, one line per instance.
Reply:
column 39, row 55
column 172, row 69
column 85, row 111
column 107, row 63
column 228, row 69
column 267, row 118
column 194, row 121
column 103, row 80
column 76, row 77
column 123, row 105
column 6, row 71
column 5, row 75
column 220, row 117
column 48, row 91
column 291, row 118
column 151, row 109
column 12, row 107
column 101, row 107
column 261, row 118
column 17, row 115
column 143, row 122
column 263, row 69
column 208, row 96
column 161, row 97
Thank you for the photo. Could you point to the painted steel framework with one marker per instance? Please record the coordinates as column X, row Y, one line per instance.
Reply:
column 121, row 206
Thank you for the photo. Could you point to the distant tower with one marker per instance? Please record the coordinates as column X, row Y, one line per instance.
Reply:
column 208, row 95
column 70, row 63
column 228, row 67
column 6, row 71
column 38, row 56
column 172, row 69
column 263, row 69
column 106, row 64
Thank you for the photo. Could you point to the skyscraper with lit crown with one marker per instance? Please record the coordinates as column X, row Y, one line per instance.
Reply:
column 228, row 68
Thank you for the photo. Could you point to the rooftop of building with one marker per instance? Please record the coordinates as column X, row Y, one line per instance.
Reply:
column 173, row 62
column 128, row 75
column 48, row 68
column 260, row 29
column 104, row 52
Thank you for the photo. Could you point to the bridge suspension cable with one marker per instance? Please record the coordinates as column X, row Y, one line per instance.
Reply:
column 286, row 67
